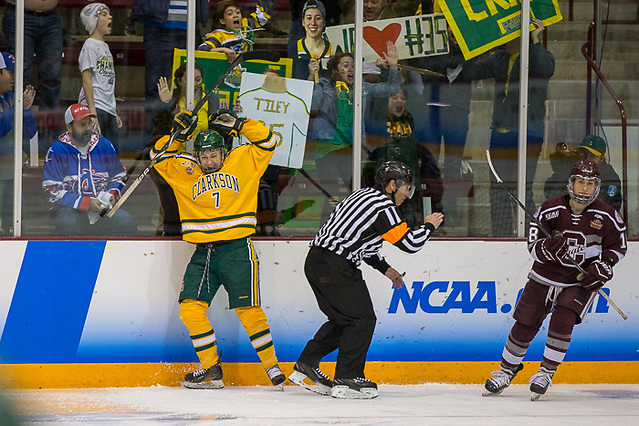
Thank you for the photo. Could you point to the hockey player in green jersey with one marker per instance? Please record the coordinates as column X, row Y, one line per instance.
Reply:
column 216, row 193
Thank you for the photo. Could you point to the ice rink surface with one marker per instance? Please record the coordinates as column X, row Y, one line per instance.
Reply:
column 429, row 404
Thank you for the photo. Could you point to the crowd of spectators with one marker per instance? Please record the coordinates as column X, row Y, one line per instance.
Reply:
column 416, row 118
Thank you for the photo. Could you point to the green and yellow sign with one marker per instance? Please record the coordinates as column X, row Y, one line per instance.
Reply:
column 480, row 25
column 215, row 64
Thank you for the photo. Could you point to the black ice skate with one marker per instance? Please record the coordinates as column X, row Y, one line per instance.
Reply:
column 204, row 378
column 355, row 388
column 500, row 380
column 311, row 378
column 276, row 376
column 540, row 382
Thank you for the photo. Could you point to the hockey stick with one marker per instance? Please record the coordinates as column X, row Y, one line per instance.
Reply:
column 264, row 55
column 548, row 234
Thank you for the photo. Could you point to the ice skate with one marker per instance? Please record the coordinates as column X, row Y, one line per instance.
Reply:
column 356, row 388
column 204, row 378
column 499, row 381
column 276, row 376
column 540, row 382
column 311, row 378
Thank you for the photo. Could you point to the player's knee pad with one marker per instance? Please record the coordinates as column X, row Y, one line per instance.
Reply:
column 193, row 315
column 562, row 321
column 251, row 316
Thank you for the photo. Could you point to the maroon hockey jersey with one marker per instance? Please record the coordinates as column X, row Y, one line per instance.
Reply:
column 598, row 232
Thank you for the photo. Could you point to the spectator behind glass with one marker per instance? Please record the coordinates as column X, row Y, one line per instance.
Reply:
column 42, row 41
column 504, row 138
column 592, row 148
column 296, row 31
column 375, row 10
column 83, row 178
column 315, row 46
column 7, row 113
column 176, row 99
column 332, row 128
column 395, row 143
column 445, row 115
column 164, row 30
column 234, row 33
column 98, row 73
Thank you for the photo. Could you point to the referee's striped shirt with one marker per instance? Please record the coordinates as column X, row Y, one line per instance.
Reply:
column 357, row 227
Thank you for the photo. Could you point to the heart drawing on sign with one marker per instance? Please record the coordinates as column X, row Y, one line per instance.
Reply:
column 377, row 38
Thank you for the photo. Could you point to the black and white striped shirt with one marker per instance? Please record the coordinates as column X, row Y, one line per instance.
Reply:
column 358, row 226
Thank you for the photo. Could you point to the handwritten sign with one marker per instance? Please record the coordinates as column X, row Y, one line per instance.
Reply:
column 283, row 105
column 480, row 25
column 414, row 36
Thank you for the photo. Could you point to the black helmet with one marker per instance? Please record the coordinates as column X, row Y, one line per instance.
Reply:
column 584, row 169
column 397, row 171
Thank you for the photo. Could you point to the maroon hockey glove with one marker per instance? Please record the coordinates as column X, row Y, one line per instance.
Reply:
column 597, row 274
column 554, row 248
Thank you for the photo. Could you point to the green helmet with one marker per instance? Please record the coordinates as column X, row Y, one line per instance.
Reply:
column 208, row 140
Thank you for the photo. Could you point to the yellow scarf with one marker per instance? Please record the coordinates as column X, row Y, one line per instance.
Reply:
column 340, row 85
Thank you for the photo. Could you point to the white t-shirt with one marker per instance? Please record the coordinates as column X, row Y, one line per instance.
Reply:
column 95, row 54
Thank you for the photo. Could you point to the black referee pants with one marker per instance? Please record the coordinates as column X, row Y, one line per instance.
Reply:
column 342, row 295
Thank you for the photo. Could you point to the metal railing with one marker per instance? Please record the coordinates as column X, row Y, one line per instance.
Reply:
column 590, row 54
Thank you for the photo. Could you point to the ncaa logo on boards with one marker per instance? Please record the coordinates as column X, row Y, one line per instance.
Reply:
column 441, row 297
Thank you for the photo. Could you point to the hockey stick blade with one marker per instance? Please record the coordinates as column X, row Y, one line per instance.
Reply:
column 246, row 56
column 545, row 231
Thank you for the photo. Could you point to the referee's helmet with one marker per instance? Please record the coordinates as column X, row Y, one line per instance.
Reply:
column 397, row 171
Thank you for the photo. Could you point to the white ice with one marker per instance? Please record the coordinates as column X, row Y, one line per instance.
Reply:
column 428, row 404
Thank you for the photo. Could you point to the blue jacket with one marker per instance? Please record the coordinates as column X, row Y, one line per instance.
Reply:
column 325, row 103
column 7, row 114
column 72, row 179
column 155, row 12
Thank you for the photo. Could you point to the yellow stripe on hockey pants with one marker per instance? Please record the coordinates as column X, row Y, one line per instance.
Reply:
column 193, row 315
column 254, row 321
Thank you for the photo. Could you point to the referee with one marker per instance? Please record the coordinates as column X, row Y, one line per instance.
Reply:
column 354, row 232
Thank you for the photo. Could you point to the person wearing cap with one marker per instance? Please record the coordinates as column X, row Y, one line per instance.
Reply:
column 315, row 46
column 43, row 40
column 29, row 129
column 98, row 72
column 83, row 178
column 593, row 148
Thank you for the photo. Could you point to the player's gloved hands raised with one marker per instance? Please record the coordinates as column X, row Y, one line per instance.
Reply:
column 184, row 123
column 554, row 248
column 226, row 122
column 597, row 274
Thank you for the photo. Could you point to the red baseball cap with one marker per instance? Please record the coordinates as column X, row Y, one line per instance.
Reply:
column 77, row 112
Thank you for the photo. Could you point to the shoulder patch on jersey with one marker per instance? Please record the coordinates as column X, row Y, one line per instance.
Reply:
column 552, row 215
column 612, row 190
column 596, row 224
column 188, row 167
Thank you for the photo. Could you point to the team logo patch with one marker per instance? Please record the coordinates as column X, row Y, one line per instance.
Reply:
column 188, row 169
column 596, row 224
column 612, row 190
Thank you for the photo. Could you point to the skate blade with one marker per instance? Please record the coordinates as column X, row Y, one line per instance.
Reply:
column 300, row 379
column 211, row 384
column 489, row 393
column 344, row 392
column 534, row 396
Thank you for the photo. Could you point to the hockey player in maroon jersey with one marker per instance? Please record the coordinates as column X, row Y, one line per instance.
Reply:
column 591, row 232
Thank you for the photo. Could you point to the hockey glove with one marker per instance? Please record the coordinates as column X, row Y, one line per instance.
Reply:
column 554, row 248
column 184, row 123
column 226, row 122
column 597, row 274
